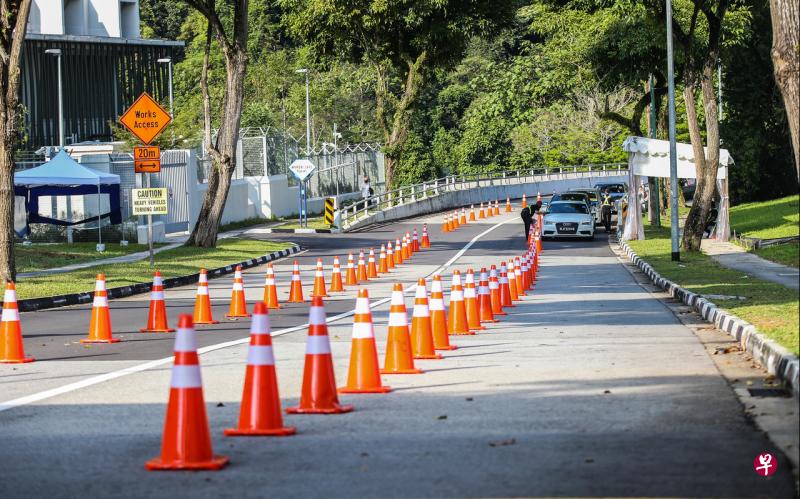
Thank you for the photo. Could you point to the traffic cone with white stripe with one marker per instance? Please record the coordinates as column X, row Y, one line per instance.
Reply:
column 320, row 289
column 336, row 276
column 481, row 212
column 457, row 313
column 260, row 412
column 398, row 252
column 399, row 355
column 372, row 268
column 484, row 298
column 318, row 395
column 538, row 196
column 157, row 317
column 364, row 374
column 471, row 302
column 186, row 444
column 415, row 241
column 456, row 223
column 390, row 256
column 438, row 316
column 426, row 241
column 472, row 213
column 494, row 292
column 518, row 277
column 446, row 224
column 508, row 204
column 100, row 324
column 409, row 244
column 350, row 278
column 423, row 345
column 496, row 207
column 361, row 270
column 524, row 203
column 383, row 265
column 463, row 219
column 202, row 303
column 505, row 287
column 238, row 307
column 512, row 281
column 12, row 350
column 526, row 273
column 404, row 249
column 296, row 287
column 270, row 289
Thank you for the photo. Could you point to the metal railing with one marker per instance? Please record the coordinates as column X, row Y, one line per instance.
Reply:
column 415, row 192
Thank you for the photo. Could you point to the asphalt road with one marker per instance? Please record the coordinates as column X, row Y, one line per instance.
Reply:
column 589, row 387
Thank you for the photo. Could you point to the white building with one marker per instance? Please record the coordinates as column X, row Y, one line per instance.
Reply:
column 111, row 18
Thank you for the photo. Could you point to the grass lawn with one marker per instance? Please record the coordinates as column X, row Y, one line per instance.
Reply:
column 241, row 224
column 47, row 256
column 768, row 219
column 313, row 223
column 772, row 308
column 787, row 254
column 175, row 262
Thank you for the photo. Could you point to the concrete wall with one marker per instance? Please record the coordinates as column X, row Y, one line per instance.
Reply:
column 471, row 193
column 111, row 18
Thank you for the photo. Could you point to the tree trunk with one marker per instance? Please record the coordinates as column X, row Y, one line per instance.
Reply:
column 13, row 24
column 785, row 46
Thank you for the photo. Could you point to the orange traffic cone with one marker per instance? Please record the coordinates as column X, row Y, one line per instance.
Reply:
column 361, row 270
column 526, row 272
column 398, row 252
column 415, row 241
column 481, row 213
column 518, row 277
column 319, row 281
column 423, row 342
column 260, row 412
column 505, row 288
column 512, row 280
column 484, row 298
column 186, row 444
column 390, row 256
column 100, row 324
column 202, row 303
column 350, row 278
column 463, row 219
column 238, row 307
column 439, row 315
column 457, row 313
column 471, row 302
column 538, row 196
column 409, row 244
column 538, row 240
column 426, row 242
column 318, row 395
column 399, row 355
column 157, row 317
column 524, row 203
column 383, row 266
column 472, row 213
column 270, row 289
column 508, row 204
column 372, row 268
column 336, row 276
column 12, row 350
column 496, row 207
column 296, row 287
column 456, row 223
column 404, row 249
column 446, row 223
column 494, row 292
column 364, row 374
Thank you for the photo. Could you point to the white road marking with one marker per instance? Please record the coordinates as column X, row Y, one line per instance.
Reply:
column 61, row 390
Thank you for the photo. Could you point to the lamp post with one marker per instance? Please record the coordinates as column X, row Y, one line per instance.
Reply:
column 673, row 149
column 57, row 54
column 303, row 215
column 168, row 62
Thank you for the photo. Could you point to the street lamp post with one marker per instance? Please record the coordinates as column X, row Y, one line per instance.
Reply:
column 673, row 149
column 168, row 62
column 303, row 215
column 57, row 54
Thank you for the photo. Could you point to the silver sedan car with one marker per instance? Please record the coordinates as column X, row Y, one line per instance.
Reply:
column 571, row 219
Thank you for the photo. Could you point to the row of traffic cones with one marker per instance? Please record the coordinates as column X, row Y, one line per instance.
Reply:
column 456, row 219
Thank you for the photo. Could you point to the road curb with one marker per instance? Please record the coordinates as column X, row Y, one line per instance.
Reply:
column 776, row 359
column 278, row 230
column 34, row 304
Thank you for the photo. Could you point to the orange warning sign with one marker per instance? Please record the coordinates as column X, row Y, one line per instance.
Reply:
column 145, row 118
column 147, row 159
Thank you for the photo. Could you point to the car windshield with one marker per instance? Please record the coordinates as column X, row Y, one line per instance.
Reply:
column 573, row 196
column 568, row 208
column 592, row 195
column 613, row 188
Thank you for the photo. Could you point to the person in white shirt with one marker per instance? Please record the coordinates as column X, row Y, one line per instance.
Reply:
column 366, row 191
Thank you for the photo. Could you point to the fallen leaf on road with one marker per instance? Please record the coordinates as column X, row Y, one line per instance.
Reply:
column 364, row 454
column 443, row 416
column 503, row 443
column 606, row 391
column 220, row 404
column 588, row 460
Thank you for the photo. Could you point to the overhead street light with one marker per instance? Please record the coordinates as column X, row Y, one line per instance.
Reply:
column 168, row 62
column 308, row 113
column 57, row 54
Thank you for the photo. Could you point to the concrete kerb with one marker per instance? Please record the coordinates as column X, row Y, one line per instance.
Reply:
column 34, row 304
column 776, row 359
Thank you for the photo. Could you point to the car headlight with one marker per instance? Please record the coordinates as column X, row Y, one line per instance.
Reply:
column 548, row 221
column 588, row 222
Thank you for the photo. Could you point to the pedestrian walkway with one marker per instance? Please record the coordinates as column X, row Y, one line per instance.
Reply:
column 735, row 257
column 173, row 241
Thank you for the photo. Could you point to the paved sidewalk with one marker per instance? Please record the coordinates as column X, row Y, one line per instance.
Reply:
column 174, row 240
column 736, row 257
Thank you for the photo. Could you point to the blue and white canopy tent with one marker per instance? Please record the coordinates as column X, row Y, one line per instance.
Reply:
column 63, row 176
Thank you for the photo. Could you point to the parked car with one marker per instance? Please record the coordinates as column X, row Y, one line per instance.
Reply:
column 594, row 199
column 571, row 219
column 575, row 196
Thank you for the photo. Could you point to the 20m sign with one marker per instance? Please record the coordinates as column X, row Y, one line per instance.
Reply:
column 145, row 118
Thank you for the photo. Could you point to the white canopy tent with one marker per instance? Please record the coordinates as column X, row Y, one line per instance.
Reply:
column 650, row 157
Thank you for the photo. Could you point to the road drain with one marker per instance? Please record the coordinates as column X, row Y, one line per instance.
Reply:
column 769, row 392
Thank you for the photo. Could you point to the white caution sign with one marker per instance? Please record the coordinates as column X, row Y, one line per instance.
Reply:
column 302, row 168
column 149, row 201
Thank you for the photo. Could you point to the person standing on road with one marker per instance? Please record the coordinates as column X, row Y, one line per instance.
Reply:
column 527, row 218
column 606, row 210
column 366, row 191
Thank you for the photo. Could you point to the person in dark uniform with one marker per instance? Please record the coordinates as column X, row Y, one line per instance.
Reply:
column 606, row 210
column 527, row 218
